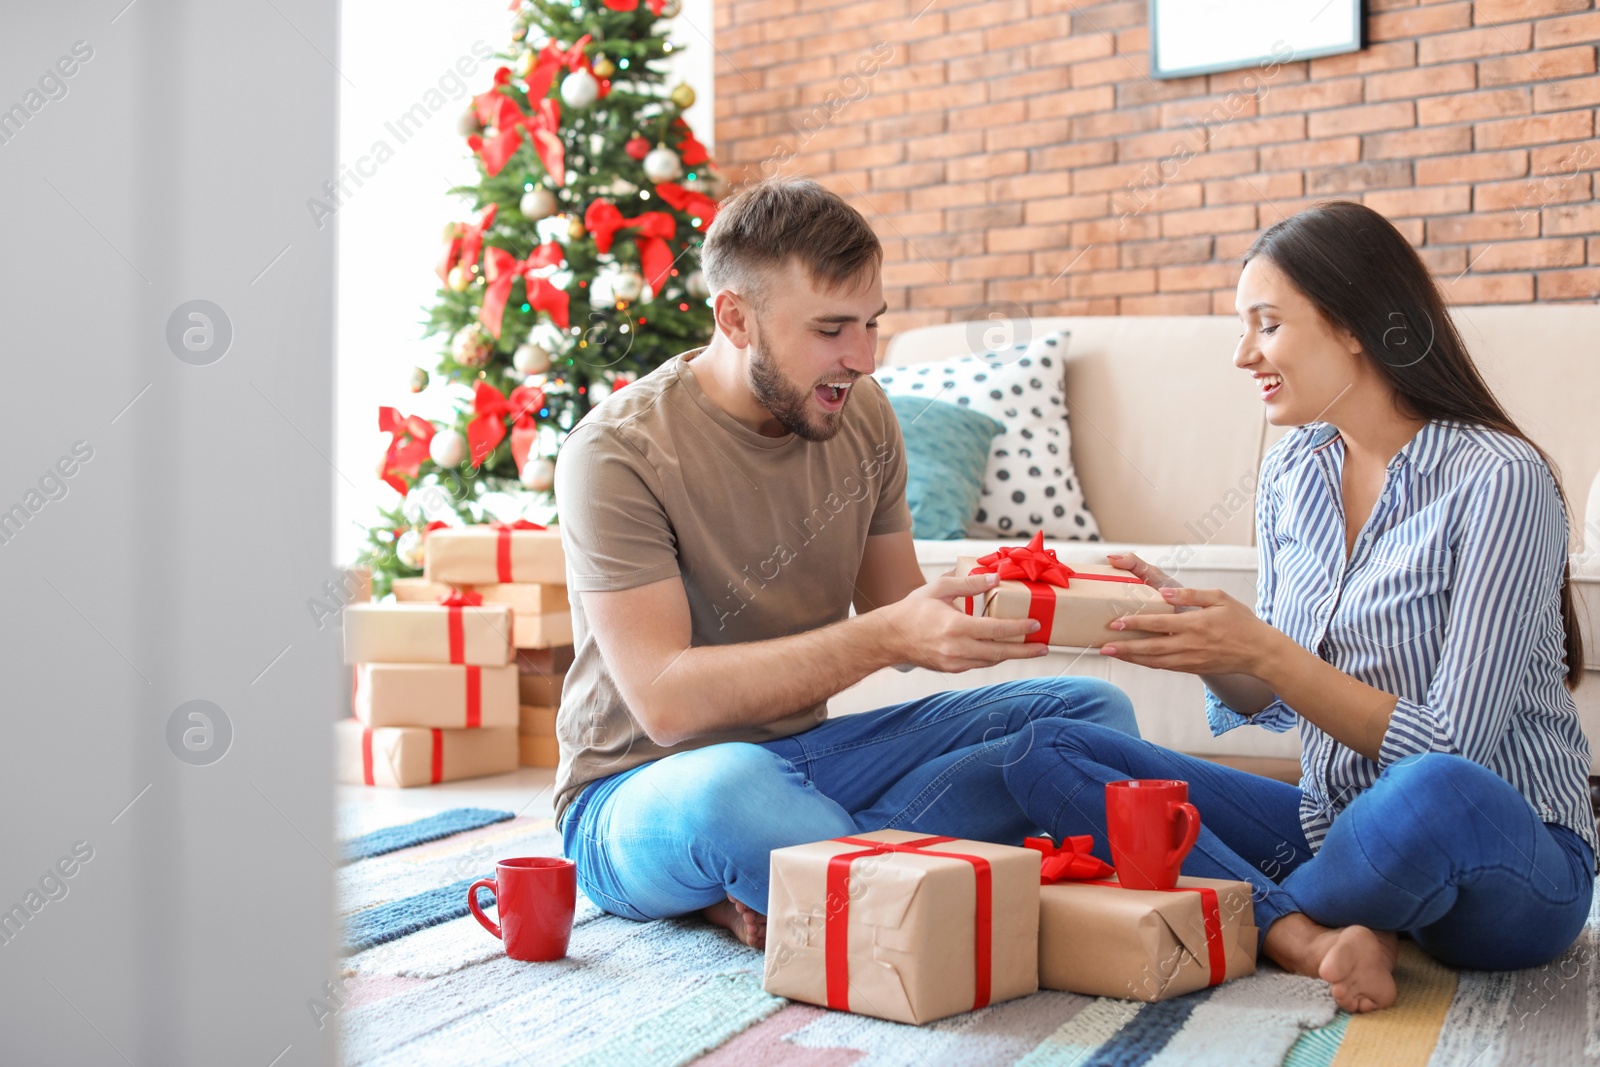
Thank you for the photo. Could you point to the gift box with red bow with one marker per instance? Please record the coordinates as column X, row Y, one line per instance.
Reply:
column 448, row 695
column 405, row 756
column 520, row 551
column 461, row 629
column 1073, row 604
column 902, row 926
column 541, row 615
column 1103, row 940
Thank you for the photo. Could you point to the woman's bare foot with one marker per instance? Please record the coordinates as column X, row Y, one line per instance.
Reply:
column 1357, row 963
column 747, row 924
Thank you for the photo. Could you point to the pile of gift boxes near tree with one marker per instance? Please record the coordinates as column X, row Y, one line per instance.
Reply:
column 461, row 673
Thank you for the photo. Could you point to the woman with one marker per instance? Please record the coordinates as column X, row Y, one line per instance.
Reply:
column 1413, row 617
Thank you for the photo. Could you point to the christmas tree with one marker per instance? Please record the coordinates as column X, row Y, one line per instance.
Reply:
column 577, row 272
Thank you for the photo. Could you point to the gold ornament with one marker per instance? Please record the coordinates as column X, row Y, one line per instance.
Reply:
column 452, row 230
column 458, row 280
column 683, row 95
column 603, row 67
column 575, row 230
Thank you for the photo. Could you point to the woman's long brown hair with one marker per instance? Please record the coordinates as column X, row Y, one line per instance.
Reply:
column 1365, row 277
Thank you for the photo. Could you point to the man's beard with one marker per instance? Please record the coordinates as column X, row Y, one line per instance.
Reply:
column 789, row 405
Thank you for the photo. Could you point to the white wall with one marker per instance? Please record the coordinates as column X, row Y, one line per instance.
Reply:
column 391, row 55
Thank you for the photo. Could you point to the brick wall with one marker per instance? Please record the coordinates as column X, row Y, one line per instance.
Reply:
column 1014, row 152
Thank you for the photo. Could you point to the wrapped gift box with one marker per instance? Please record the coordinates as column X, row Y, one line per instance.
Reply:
column 479, row 555
column 428, row 633
column 545, row 661
column 406, row 756
column 448, row 695
column 524, row 598
column 541, row 690
column 1101, row 940
column 536, row 719
column 1074, row 605
column 541, row 631
column 538, row 751
column 903, row 926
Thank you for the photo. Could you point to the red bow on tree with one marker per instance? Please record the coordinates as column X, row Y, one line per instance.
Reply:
column 1070, row 861
column 633, row 5
column 464, row 249
column 501, row 268
column 651, row 233
column 552, row 58
column 491, row 408
column 698, row 205
column 690, row 150
column 543, row 126
column 407, row 448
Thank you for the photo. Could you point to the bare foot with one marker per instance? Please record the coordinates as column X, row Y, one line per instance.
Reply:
column 747, row 924
column 1357, row 963
column 1359, row 966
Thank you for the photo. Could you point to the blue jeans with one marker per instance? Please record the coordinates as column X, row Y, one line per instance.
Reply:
column 1439, row 847
column 685, row 831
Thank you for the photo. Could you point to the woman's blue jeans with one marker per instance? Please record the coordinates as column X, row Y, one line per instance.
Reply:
column 690, row 829
column 1439, row 847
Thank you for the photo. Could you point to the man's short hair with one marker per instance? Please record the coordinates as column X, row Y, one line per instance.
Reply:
column 761, row 227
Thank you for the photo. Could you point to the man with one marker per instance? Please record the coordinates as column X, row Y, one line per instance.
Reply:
column 720, row 516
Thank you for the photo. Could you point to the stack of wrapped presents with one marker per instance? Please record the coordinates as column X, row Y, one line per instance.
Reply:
column 441, row 674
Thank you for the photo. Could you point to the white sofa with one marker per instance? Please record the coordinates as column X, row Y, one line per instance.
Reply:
column 1167, row 436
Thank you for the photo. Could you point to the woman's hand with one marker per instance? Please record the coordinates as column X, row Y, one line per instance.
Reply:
column 1211, row 633
column 1148, row 573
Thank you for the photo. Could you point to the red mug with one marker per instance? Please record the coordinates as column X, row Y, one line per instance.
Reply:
column 1151, row 826
column 535, row 898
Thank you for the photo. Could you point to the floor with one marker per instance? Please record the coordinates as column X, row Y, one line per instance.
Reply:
column 527, row 791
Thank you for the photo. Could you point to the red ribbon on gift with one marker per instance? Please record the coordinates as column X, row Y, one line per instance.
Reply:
column 491, row 408
column 501, row 268
column 652, row 230
column 474, row 696
column 1038, row 568
column 437, row 760
column 836, row 932
column 407, row 448
column 698, row 205
column 455, row 600
column 1069, row 861
column 502, row 546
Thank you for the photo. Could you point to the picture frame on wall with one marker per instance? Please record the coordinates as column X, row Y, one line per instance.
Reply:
column 1189, row 37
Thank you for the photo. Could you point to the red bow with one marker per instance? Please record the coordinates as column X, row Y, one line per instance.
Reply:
column 491, row 408
column 407, row 448
column 458, row 598
column 502, row 268
column 543, row 126
column 697, row 205
column 551, row 59
column 651, row 233
column 633, row 5
column 1070, row 861
column 1036, row 563
column 463, row 248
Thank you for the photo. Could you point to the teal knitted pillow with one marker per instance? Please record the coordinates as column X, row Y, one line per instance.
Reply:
column 947, row 450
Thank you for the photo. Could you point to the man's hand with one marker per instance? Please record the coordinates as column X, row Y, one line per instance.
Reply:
column 927, row 629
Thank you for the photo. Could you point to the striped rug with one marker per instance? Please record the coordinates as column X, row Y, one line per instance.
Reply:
column 425, row 985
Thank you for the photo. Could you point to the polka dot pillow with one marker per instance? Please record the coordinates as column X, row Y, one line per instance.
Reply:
column 1029, row 483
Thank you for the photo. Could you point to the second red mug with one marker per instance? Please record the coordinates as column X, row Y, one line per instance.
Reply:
column 1151, row 826
column 535, row 898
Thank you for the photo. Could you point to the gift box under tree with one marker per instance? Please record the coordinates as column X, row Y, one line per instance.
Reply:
column 520, row 551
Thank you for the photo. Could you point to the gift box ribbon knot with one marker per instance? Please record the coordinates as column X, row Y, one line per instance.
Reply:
column 502, row 554
column 1038, row 568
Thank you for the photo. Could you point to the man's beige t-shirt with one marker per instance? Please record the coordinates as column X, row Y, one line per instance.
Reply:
column 766, row 533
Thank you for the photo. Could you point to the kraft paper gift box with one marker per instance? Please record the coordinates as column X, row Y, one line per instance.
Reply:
column 545, row 661
column 407, row 756
column 478, row 634
column 1101, row 940
column 446, row 695
column 902, row 926
column 538, row 751
column 1074, row 605
column 540, row 615
column 536, row 719
column 496, row 552
column 540, row 690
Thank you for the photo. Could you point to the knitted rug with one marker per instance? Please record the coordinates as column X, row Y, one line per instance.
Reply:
column 425, row 986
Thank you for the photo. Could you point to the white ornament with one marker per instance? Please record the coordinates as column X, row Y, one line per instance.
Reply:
column 448, row 448
column 408, row 549
column 538, row 203
column 530, row 359
column 471, row 347
column 599, row 389
column 538, row 474
column 663, row 165
column 601, row 294
column 696, row 285
column 627, row 284
column 580, row 89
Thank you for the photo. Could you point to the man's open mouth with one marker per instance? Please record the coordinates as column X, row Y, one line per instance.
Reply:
column 831, row 395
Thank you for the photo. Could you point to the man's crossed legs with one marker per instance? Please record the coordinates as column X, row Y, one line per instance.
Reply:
column 691, row 830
